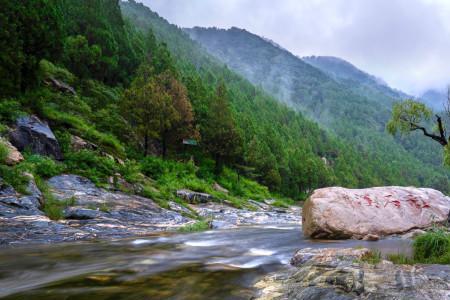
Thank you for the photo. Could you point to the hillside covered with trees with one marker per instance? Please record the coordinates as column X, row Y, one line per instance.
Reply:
column 346, row 101
column 153, row 107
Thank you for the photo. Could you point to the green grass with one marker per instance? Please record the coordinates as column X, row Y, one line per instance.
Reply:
column 53, row 208
column 201, row 225
column 432, row 247
column 373, row 257
column 400, row 259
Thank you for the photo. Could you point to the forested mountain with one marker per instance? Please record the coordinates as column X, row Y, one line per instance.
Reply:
column 436, row 99
column 356, row 80
column 136, row 89
column 349, row 112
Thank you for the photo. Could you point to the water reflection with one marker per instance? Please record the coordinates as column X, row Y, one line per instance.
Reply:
column 210, row 265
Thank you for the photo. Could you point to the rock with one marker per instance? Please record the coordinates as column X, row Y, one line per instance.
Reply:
column 61, row 86
column 109, row 213
column 338, row 213
column 412, row 234
column 178, row 208
column 32, row 133
column 194, row 197
column 81, row 213
column 79, row 144
column 269, row 201
column 230, row 215
column 371, row 237
column 221, row 225
column 260, row 205
column 337, row 274
column 14, row 156
column 327, row 256
column 217, row 187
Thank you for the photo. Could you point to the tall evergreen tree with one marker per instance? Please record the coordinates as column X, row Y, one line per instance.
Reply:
column 220, row 134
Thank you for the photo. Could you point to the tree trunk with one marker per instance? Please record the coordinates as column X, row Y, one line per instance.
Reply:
column 145, row 145
column 219, row 165
column 164, row 144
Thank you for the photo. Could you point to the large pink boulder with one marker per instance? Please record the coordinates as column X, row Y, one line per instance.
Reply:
column 340, row 213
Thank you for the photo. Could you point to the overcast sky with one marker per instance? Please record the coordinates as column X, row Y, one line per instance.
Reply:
column 405, row 42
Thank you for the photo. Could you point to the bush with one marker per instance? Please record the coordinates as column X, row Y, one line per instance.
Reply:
column 4, row 151
column 432, row 247
column 53, row 208
column 197, row 226
column 41, row 166
column 106, row 141
column 10, row 110
column 400, row 259
column 373, row 257
column 15, row 178
column 92, row 165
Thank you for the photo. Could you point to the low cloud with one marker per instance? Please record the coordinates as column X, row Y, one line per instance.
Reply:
column 405, row 42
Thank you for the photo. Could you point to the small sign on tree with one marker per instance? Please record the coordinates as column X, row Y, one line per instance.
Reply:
column 190, row 142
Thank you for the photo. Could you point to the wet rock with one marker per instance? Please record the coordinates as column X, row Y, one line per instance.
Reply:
column 230, row 215
column 109, row 213
column 178, row 208
column 81, row 213
column 61, row 86
column 79, row 144
column 338, row 213
column 260, row 205
column 32, row 133
column 412, row 234
column 217, row 187
column 194, row 197
column 336, row 274
column 14, row 156
column 215, row 224
column 371, row 237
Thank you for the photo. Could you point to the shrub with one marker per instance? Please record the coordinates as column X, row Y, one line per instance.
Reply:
column 400, row 259
column 92, row 165
column 372, row 257
column 4, row 151
column 41, row 166
column 106, row 141
column 14, row 177
column 432, row 247
column 10, row 110
column 197, row 226
column 53, row 208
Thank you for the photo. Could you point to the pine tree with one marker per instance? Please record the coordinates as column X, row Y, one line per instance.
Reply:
column 221, row 136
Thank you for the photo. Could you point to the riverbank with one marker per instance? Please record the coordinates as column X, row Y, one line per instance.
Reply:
column 346, row 274
column 97, row 213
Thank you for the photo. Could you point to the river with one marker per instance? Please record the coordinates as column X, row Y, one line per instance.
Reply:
column 219, row 264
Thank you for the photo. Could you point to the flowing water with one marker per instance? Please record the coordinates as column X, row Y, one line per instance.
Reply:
column 220, row 264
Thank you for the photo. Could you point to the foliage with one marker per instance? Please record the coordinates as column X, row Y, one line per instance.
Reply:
column 221, row 136
column 400, row 259
column 372, row 257
column 4, row 152
column 53, row 207
column 30, row 31
column 195, row 227
column 41, row 166
column 432, row 247
column 14, row 177
column 92, row 165
column 406, row 113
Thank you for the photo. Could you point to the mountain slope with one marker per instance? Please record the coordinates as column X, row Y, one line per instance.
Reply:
column 436, row 99
column 356, row 80
column 360, row 119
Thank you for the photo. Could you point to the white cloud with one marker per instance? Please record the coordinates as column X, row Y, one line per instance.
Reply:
column 405, row 42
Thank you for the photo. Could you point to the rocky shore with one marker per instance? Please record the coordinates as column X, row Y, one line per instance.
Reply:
column 100, row 213
column 341, row 274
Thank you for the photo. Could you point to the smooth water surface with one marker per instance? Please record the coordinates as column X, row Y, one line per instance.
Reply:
column 220, row 264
